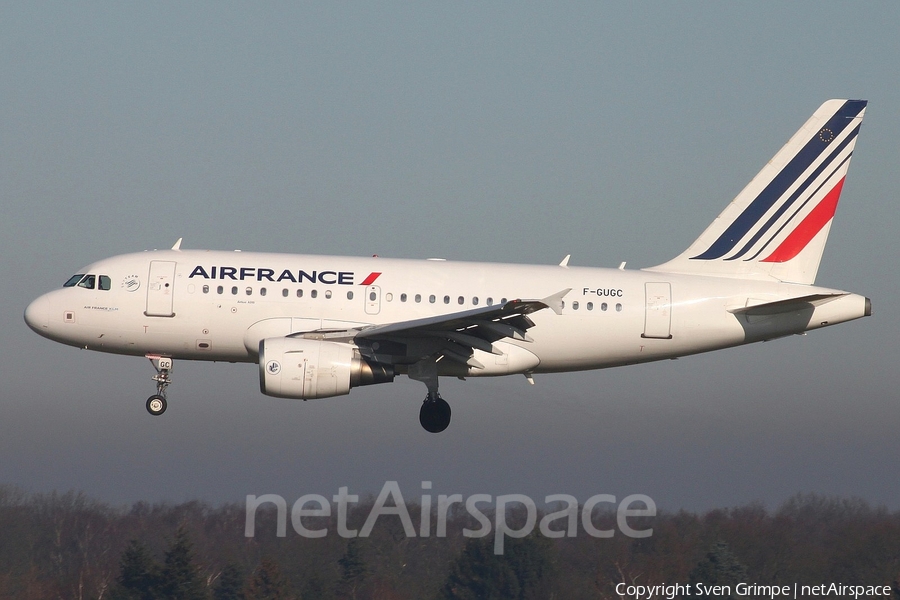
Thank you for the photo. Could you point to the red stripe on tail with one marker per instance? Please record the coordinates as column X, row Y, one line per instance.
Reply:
column 808, row 228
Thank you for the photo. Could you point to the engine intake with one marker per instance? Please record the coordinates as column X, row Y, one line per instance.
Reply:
column 306, row 369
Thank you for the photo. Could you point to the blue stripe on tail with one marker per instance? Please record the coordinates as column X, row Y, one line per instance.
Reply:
column 781, row 182
column 826, row 164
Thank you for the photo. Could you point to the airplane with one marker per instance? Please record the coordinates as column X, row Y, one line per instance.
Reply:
column 319, row 326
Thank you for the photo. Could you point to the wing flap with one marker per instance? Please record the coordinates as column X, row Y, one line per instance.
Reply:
column 473, row 341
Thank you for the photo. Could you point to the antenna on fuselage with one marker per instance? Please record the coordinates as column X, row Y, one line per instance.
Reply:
column 177, row 245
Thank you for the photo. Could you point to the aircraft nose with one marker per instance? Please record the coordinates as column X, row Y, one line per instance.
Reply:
column 37, row 315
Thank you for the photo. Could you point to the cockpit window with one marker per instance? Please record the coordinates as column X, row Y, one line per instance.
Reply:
column 73, row 280
column 89, row 282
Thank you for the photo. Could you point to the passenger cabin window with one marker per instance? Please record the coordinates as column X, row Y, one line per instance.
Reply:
column 74, row 279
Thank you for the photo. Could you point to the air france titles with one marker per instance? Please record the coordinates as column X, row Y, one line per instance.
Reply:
column 274, row 275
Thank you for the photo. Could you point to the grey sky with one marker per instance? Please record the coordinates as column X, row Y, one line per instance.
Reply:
column 507, row 132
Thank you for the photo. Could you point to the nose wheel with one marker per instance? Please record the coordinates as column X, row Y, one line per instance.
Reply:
column 156, row 404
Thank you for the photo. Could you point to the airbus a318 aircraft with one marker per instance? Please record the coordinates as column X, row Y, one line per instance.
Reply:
column 321, row 325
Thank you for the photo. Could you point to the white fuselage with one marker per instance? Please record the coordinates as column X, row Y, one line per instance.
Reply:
column 218, row 306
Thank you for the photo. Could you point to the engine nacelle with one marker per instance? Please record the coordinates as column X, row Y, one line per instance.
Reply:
column 302, row 368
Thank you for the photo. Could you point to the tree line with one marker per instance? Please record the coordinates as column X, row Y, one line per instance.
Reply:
column 70, row 546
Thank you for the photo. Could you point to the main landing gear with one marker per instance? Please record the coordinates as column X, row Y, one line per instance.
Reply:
column 156, row 404
column 434, row 415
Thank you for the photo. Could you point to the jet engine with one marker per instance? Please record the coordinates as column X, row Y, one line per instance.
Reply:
column 303, row 368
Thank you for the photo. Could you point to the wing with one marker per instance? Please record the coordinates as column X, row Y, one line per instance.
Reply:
column 454, row 336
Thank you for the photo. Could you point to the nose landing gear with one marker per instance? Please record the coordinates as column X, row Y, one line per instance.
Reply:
column 156, row 404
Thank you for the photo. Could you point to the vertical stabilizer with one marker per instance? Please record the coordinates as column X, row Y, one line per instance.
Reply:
column 777, row 226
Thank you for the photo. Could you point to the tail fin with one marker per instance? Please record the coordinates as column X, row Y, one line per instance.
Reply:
column 777, row 226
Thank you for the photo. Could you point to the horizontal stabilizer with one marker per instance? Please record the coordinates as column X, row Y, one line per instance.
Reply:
column 782, row 306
